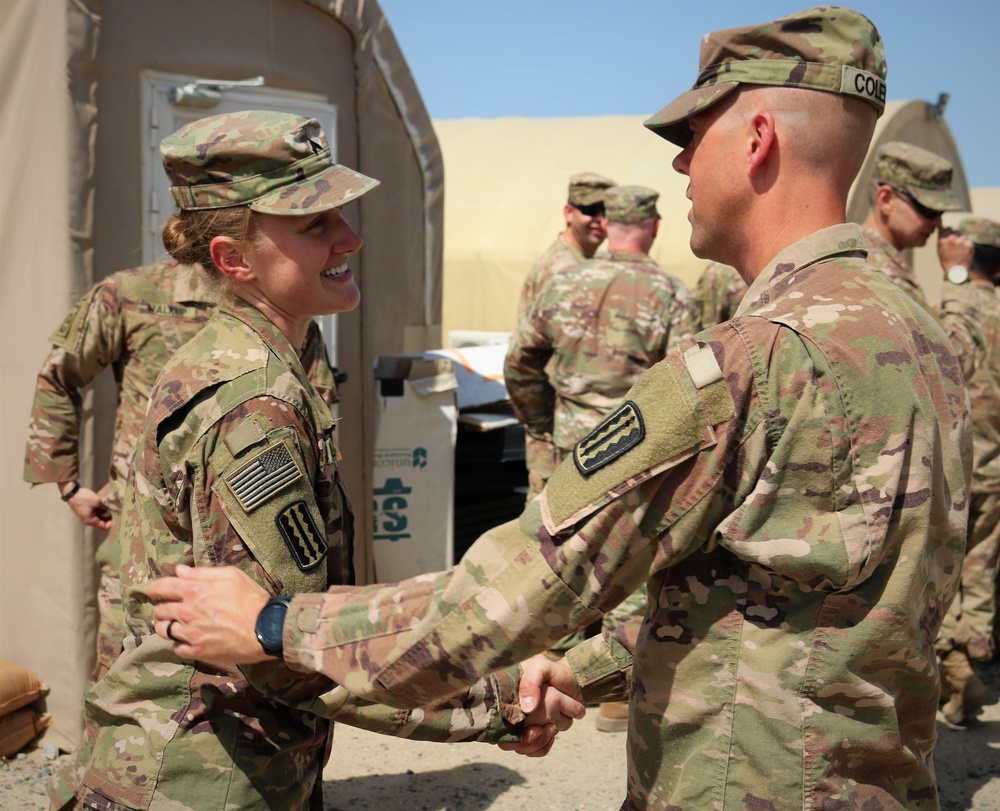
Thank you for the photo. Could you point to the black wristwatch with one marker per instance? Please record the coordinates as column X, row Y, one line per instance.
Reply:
column 271, row 625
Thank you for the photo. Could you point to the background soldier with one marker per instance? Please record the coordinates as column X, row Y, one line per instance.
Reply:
column 789, row 484
column 593, row 330
column 578, row 241
column 719, row 291
column 970, row 312
column 912, row 187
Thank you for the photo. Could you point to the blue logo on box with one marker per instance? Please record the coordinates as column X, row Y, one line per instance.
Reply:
column 390, row 510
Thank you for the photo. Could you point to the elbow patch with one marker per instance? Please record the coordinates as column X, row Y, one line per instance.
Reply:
column 669, row 415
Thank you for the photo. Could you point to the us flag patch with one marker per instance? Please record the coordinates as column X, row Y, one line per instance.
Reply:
column 269, row 472
column 618, row 433
column 306, row 543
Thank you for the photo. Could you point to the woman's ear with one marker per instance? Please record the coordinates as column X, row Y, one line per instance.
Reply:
column 230, row 258
column 762, row 140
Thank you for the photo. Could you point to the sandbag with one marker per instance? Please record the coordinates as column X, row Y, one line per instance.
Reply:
column 21, row 727
column 18, row 687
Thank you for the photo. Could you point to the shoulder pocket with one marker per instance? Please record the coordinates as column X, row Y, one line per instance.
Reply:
column 268, row 497
column 668, row 416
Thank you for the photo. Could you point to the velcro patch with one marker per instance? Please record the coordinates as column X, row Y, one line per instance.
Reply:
column 620, row 431
column 306, row 543
column 265, row 475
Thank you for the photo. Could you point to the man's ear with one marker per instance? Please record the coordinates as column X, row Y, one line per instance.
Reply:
column 229, row 257
column 568, row 214
column 762, row 140
column 884, row 197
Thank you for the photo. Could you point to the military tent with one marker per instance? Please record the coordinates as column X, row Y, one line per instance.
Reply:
column 88, row 89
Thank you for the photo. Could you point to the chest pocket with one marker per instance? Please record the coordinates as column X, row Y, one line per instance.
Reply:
column 268, row 497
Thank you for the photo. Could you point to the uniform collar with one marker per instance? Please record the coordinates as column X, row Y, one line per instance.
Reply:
column 836, row 240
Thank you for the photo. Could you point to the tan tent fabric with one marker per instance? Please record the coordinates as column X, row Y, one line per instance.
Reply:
column 507, row 186
column 70, row 213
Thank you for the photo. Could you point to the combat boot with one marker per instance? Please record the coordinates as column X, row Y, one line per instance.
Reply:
column 967, row 694
column 612, row 716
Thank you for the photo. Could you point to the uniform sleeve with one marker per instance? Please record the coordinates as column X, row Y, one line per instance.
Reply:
column 634, row 497
column 90, row 339
column 489, row 711
column 531, row 393
column 603, row 664
column 962, row 328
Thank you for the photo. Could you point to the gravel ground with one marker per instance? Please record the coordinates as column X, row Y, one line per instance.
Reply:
column 585, row 771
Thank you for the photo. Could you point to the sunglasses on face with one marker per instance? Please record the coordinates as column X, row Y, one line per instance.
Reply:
column 920, row 208
column 593, row 210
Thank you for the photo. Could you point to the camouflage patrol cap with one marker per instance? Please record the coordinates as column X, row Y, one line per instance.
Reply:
column 824, row 48
column 981, row 232
column 630, row 204
column 276, row 163
column 923, row 174
column 587, row 188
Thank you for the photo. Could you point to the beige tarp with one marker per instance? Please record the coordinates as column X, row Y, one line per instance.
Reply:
column 70, row 214
column 507, row 186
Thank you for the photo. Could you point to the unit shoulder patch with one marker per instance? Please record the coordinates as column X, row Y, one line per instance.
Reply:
column 617, row 434
column 306, row 543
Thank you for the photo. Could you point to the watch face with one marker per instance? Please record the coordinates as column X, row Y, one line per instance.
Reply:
column 271, row 625
column 958, row 275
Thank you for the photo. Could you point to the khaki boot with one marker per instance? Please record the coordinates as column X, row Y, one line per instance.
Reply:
column 613, row 716
column 967, row 694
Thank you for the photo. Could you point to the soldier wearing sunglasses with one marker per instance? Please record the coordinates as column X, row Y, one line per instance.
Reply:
column 911, row 189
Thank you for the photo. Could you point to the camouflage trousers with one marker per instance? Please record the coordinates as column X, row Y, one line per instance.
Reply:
column 968, row 625
column 541, row 458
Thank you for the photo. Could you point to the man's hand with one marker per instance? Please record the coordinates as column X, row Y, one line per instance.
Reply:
column 210, row 614
column 551, row 701
column 88, row 506
column 954, row 248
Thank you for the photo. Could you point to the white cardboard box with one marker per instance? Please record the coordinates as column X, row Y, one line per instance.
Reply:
column 414, row 466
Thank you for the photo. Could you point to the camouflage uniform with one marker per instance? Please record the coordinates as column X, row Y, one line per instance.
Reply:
column 236, row 465
column 719, row 291
column 132, row 321
column 971, row 315
column 541, row 457
column 593, row 330
column 791, row 484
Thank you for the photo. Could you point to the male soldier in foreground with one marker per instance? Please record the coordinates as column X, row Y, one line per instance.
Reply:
column 790, row 484
column 593, row 330
column 576, row 243
column 911, row 189
column 970, row 312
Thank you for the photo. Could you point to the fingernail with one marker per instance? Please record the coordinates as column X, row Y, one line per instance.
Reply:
column 528, row 703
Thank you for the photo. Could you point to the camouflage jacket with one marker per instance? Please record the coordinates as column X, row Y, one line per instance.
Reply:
column 891, row 262
column 792, row 487
column 593, row 330
column 559, row 256
column 132, row 321
column 719, row 291
column 970, row 313
column 236, row 465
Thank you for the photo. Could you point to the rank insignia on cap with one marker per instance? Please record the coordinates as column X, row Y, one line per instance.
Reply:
column 616, row 435
column 306, row 543
column 269, row 472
